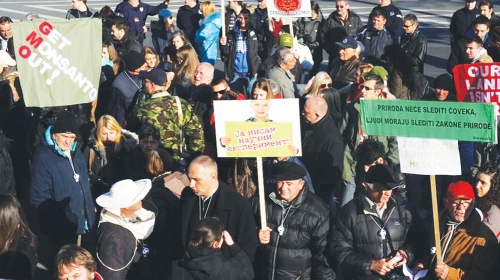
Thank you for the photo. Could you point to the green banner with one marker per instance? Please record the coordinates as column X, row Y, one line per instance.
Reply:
column 430, row 119
column 59, row 60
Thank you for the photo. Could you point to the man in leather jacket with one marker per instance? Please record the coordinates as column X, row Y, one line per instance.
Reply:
column 414, row 43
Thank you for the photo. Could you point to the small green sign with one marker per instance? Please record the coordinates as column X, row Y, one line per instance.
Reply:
column 430, row 119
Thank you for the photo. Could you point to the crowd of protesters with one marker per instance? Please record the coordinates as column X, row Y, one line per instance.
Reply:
column 130, row 186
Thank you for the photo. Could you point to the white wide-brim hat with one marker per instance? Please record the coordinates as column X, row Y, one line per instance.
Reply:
column 125, row 193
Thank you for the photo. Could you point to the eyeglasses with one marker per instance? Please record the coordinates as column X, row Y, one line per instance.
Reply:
column 322, row 86
column 367, row 88
column 220, row 91
column 459, row 202
column 408, row 26
column 340, row 7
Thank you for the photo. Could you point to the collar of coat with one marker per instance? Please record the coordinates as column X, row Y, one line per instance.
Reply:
column 296, row 202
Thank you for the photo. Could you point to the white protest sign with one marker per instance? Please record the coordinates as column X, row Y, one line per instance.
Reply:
column 427, row 156
column 289, row 8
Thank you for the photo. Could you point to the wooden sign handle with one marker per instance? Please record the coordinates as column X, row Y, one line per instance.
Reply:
column 435, row 218
column 262, row 201
column 223, row 17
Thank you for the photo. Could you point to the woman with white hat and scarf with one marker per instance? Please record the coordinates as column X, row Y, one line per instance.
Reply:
column 123, row 227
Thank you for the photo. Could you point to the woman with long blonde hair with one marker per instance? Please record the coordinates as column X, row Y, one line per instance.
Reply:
column 188, row 60
column 319, row 82
column 207, row 37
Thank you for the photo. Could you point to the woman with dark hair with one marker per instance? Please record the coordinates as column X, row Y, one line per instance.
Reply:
column 162, row 31
column 18, row 257
column 187, row 60
column 204, row 259
column 332, row 97
column 176, row 42
column 306, row 32
column 488, row 195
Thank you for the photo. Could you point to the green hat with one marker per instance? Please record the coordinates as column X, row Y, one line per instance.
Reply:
column 285, row 40
column 379, row 70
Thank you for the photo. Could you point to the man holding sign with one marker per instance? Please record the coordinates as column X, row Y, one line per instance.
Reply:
column 469, row 247
column 295, row 237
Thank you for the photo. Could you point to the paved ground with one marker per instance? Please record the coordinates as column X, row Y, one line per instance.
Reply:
column 434, row 17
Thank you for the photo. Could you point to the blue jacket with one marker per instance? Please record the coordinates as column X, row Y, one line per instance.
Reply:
column 207, row 38
column 136, row 17
column 64, row 206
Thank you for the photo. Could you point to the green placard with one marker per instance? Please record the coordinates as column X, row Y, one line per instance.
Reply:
column 430, row 119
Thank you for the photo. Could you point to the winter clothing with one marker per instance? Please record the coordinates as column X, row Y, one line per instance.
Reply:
column 188, row 20
column 228, row 51
column 19, row 264
column 136, row 16
column 394, row 19
column 472, row 253
column 125, row 87
column 213, row 266
column 375, row 41
column 355, row 239
column 461, row 21
column 129, row 42
column 261, row 24
column 233, row 211
column 120, row 245
column 207, row 38
column 298, row 253
column 492, row 220
column 73, row 13
column 415, row 44
column 284, row 80
column 60, row 190
column 343, row 72
column 161, row 111
column 322, row 156
column 334, row 29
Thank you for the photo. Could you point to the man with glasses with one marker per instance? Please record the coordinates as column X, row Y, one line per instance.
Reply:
column 342, row 22
column 6, row 42
column 354, row 135
column 469, row 248
column 344, row 67
column 239, row 52
column 413, row 42
column 162, row 112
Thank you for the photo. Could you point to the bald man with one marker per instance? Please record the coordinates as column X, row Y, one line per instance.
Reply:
column 322, row 148
column 209, row 197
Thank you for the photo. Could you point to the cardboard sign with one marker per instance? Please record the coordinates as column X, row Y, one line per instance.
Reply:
column 429, row 156
column 289, row 8
column 59, row 60
column 257, row 128
column 430, row 119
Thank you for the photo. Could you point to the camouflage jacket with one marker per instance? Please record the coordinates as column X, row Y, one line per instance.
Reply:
column 162, row 113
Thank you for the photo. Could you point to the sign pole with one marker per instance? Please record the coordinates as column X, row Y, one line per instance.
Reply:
column 291, row 26
column 223, row 18
column 262, row 202
column 435, row 218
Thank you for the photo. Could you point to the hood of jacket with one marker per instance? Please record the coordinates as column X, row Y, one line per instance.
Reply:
column 141, row 228
column 214, row 18
column 52, row 143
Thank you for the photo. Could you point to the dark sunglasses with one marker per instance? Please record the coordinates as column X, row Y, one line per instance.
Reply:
column 220, row 91
column 322, row 86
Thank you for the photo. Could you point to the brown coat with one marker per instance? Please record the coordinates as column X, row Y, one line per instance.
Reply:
column 473, row 253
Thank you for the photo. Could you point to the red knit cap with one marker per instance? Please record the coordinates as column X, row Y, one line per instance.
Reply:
column 458, row 190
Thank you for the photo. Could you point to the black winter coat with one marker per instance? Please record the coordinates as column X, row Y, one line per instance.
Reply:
column 375, row 41
column 343, row 72
column 461, row 22
column 307, row 30
column 323, row 155
column 416, row 45
column 233, row 211
column 188, row 20
column 228, row 52
column 128, row 43
column 354, row 240
column 299, row 252
column 213, row 266
column 332, row 31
